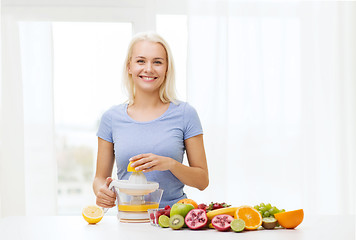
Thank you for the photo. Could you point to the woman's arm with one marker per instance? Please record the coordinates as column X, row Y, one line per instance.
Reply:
column 196, row 175
column 105, row 162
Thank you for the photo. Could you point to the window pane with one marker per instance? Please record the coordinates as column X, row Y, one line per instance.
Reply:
column 88, row 62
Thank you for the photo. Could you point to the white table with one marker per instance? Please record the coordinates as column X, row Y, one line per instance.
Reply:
column 63, row 227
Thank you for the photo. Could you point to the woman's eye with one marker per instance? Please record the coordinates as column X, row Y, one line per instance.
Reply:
column 158, row 62
column 140, row 61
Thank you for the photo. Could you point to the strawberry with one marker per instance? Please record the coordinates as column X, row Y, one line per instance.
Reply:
column 202, row 206
column 216, row 205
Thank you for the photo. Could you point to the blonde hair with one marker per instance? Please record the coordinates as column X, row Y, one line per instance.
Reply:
column 167, row 91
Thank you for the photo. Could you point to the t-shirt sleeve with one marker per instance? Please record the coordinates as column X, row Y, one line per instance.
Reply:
column 105, row 127
column 192, row 125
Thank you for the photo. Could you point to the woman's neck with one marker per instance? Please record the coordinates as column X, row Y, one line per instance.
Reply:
column 147, row 108
column 147, row 101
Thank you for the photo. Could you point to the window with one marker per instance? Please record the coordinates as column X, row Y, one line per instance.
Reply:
column 88, row 62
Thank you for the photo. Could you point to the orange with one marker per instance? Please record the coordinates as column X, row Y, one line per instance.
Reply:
column 93, row 214
column 250, row 215
column 188, row 201
column 290, row 219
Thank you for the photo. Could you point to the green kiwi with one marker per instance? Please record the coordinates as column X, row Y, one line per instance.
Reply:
column 269, row 222
column 176, row 222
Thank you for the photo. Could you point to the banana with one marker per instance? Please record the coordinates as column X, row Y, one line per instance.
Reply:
column 228, row 210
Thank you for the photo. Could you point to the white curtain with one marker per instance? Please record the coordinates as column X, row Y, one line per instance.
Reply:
column 27, row 166
column 274, row 84
column 37, row 77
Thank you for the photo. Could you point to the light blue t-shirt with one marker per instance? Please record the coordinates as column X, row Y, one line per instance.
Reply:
column 163, row 136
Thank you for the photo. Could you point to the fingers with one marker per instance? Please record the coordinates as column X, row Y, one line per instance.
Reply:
column 147, row 166
column 137, row 157
column 108, row 181
column 104, row 203
column 148, row 162
column 144, row 158
column 107, row 192
column 105, row 197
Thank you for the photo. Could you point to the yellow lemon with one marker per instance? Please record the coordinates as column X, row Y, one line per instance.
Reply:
column 93, row 214
column 131, row 169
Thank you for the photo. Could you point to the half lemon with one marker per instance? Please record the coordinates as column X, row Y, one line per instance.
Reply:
column 131, row 169
column 93, row 214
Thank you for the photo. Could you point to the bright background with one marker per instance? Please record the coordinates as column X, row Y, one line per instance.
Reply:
column 274, row 84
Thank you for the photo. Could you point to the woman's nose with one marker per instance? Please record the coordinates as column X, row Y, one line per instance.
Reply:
column 148, row 67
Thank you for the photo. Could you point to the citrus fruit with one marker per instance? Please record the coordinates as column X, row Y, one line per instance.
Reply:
column 181, row 209
column 290, row 219
column 250, row 215
column 131, row 169
column 238, row 225
column 93, row 214
column 188, row 201
column 163, row 221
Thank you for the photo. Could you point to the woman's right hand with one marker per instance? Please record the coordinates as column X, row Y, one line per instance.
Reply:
column 105, row 197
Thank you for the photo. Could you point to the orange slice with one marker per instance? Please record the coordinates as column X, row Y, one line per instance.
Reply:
column 93, row 214
column 250, row 215
column 188, row 201
column 290, row 219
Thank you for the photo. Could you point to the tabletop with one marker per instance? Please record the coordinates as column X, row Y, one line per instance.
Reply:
column 74, row 227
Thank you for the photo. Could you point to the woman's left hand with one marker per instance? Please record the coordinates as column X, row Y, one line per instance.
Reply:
column 148, row 162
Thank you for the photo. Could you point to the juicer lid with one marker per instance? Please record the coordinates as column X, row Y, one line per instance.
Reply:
column 136, row 189
column 126, row 184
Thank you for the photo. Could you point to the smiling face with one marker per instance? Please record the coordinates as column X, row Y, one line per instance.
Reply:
column 148, row 66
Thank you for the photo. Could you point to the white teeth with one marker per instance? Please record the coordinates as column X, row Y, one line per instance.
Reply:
column 148, row 78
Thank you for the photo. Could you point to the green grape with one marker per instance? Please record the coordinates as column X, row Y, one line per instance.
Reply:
column 273, row 210
column 267, row 210
column 266, row 214
column 263, row 209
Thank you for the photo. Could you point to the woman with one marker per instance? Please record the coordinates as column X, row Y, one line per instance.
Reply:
column 153, row 129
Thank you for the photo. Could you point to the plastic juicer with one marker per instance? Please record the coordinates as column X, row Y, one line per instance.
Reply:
column 135, row 196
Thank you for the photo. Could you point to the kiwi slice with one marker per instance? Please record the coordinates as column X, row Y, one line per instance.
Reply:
column 176, row 222
column 269, row 222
